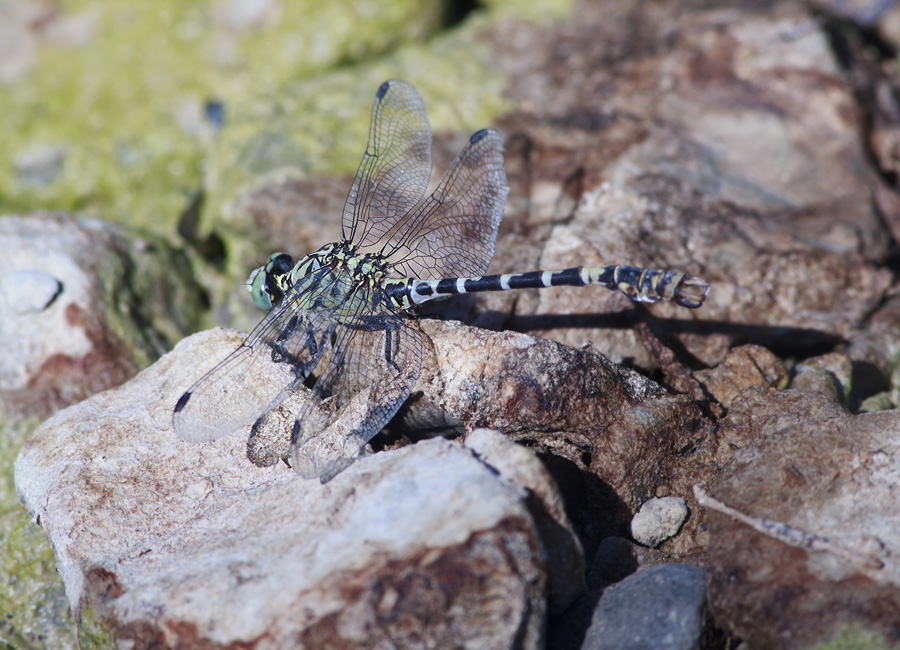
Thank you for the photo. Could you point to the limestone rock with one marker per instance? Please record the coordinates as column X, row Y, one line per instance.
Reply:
column 829, row 374
column 566, row 575
column 193, row 545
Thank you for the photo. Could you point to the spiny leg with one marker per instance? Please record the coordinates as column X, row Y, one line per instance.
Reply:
column 364, row 390
column 388, row 354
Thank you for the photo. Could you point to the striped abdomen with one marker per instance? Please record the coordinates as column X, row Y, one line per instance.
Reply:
column 645, row 285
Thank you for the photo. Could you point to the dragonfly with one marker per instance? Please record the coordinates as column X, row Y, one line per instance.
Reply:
column 338, row 331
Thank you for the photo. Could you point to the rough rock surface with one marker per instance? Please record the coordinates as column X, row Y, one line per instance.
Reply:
column 744, row 366
column 192, row 544
column 658, row 520
column 566, row 578
column 721, row 142
column 87, row 468
column 662, row 607
column 616, row 437
column 824, row 563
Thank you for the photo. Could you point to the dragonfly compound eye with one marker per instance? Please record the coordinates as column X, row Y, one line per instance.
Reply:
column 279, row 264
column 256, row 285
column 266, row 284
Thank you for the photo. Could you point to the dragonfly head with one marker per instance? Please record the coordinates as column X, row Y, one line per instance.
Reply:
column 268, row 283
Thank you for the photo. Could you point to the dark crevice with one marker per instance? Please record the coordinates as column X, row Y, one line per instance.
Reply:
column 861, row 52
column 211, row 247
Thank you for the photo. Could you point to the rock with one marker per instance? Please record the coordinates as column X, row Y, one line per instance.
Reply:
column 815, row 379
column 504, row 379
column 661, row 607
column 810, row 556
column 158, row 540
column 565, row 562
column 239, row 15
column 658, row 520
column 829, row 374
column 703, row 157
column 526, row 387
column 572, row 405
column 602, row 421
column 27, row 291
column 20, row 24
column 744, row 366
column 75, row 299
column 876, row 355
column 642, row 454
column 559, row 401
column 880, row 402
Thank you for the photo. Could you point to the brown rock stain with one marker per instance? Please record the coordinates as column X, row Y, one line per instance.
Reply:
column 428, row 599
column 62, row 380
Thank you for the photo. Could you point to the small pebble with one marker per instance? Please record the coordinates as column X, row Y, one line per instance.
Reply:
column 658, row 520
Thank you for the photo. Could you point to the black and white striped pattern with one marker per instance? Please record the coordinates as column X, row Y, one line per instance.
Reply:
column 644, row 285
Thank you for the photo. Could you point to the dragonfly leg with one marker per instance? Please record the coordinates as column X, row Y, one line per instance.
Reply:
column 280, row 353
column 388, row 347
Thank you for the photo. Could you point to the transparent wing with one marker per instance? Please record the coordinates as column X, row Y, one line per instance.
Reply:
column 451, row 232
column 394, row 171
column 269, row 365
column 370, row 372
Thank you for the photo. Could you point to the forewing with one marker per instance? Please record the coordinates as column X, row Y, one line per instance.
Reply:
column 452, row 232
column 231, row 395
column 394, row 171
column 268, row 366
column 369, row 375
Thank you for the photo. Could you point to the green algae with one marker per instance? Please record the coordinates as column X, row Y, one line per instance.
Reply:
column 93, row 631
column 126, row 106
column 32, row 598
column 856, row 637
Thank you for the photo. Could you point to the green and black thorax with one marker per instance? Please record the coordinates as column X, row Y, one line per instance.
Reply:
column 333, row 278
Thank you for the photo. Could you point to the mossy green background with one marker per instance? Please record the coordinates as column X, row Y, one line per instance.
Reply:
column 126, row 104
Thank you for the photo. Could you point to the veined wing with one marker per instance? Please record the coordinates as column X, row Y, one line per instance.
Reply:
column 393, row 174
column 451, row 232
column 273, row 361
column 371, row 370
